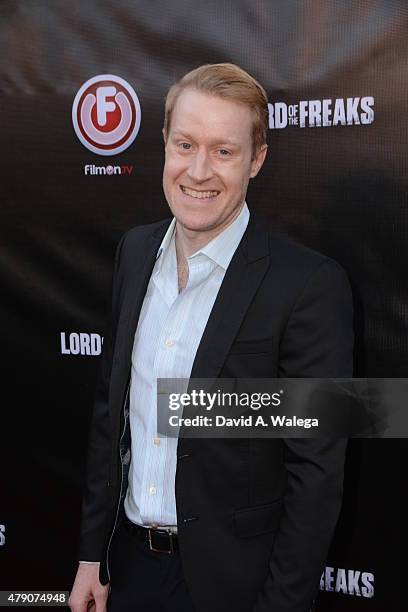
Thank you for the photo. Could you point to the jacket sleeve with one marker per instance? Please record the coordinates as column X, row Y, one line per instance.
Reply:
column 318, row 343
column 95, row 492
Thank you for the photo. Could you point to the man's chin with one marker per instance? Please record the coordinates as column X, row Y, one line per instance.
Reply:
column 196, row 226
column 197, row 222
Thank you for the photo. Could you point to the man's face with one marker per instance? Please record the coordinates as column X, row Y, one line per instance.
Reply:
column 208, row 160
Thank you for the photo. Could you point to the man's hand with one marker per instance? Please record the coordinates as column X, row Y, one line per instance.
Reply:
column 88, row 594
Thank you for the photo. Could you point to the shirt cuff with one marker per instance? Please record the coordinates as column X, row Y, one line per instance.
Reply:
column 90, row 562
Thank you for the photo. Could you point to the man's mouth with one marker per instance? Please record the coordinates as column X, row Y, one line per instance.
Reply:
column 201, row 195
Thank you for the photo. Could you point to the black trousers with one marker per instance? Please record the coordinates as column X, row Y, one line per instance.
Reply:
column 143, row 580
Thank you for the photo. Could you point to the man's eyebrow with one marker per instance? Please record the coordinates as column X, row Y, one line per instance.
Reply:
column 180, row 133
column 229, row 141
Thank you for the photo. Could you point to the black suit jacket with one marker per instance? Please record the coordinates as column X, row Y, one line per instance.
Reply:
column 255, row 516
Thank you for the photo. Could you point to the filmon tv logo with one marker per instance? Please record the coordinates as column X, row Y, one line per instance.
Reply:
column 106, row 115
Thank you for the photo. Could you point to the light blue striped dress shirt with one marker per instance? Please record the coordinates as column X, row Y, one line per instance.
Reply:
column 169, row 331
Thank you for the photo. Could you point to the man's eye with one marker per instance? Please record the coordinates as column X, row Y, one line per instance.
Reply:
column 224, row 152
column 185, row 146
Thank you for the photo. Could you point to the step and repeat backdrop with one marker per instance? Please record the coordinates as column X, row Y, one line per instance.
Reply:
column 82, row 88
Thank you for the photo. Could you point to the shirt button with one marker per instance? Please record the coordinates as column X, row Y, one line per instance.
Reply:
column 156, row 441
column 169, row 342
column 152, row 490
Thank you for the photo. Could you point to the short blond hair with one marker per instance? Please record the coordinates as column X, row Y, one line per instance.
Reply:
column 229, row 82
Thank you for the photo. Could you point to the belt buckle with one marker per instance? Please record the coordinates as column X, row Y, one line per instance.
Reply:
column 151, row 547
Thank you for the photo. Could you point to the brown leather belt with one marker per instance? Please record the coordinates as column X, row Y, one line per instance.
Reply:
column 157, row 539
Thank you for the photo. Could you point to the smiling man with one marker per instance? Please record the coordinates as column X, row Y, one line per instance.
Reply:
column 209, row 161
column 236, row 525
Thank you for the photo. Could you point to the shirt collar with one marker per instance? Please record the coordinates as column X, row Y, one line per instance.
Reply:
column 221, row 248
column 168, row 236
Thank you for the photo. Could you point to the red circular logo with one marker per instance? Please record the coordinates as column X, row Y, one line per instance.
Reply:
column 106, row 114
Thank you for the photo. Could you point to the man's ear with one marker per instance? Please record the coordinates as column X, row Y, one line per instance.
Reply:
column 256, row 163
column 164, row 136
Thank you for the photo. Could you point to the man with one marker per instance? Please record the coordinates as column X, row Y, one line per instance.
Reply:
column 211, row 525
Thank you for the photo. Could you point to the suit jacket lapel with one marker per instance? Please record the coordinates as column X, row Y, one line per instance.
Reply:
column 242, row 278
column 137, row 291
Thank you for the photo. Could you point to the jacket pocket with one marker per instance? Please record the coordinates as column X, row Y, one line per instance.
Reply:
column 246, row 347
column 257, row 519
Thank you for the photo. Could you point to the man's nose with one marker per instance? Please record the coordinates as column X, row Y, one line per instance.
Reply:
column 200, row 167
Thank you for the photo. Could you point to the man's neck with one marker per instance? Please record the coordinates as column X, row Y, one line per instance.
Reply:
column 182, row 269
column 189, row 242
